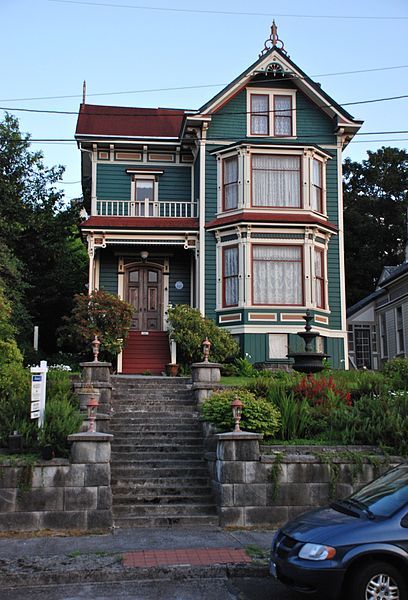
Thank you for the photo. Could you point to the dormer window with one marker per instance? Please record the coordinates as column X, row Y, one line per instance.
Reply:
column 271, row 114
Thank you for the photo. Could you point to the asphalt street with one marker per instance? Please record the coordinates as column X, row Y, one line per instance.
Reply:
column 240, row 588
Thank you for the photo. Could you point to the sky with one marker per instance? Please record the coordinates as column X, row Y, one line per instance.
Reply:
column 130, row 52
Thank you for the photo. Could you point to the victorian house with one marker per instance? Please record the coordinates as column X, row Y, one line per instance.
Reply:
column 235, row 209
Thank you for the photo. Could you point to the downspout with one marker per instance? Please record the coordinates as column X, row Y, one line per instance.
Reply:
column 341, row 247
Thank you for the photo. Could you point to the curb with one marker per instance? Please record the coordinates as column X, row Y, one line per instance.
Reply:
column 10, row 577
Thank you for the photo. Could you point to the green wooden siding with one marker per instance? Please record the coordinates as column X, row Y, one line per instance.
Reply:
column 180, row 271
column 210, row 275
column 113, row 183
column 313, row 126
column 333, row 267
column 335, row 349
column 108, row 273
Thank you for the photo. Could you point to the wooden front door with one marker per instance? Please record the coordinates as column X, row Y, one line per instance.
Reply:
column 144, row 293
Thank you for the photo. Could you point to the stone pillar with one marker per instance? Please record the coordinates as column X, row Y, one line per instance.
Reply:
column 93, row 450
column 206, row 377
column 96, row 377
column 239, row 498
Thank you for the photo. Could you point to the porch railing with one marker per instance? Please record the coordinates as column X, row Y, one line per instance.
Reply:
column 146, row 208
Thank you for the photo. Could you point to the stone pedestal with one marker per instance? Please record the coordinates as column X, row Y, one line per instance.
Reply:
column 206, row 376
column 98, row 376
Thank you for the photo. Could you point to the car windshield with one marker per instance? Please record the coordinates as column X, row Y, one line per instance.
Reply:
column 387, row 494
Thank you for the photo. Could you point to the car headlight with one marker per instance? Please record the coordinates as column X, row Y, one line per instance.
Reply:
column 316, row 552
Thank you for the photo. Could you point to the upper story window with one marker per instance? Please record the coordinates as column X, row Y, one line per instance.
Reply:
column 319, row 277
column 230, row 276
column 277, row 275
column 276, row 180
column 316, row 200
column 230, row 183
column 271, row 113
column 400, row 330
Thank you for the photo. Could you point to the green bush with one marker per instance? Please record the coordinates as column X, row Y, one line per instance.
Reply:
column 101, row 314
column 189, row 329
column 397, row 371
column 295, row 415
column 258, row 415
column 61, row 419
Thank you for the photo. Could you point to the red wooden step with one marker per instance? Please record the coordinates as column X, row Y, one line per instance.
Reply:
column 146, row 353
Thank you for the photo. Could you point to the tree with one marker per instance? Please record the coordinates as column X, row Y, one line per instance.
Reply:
column 42, row 259
column 375, row 221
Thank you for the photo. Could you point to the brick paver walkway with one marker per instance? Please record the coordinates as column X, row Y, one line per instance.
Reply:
column 185, row 557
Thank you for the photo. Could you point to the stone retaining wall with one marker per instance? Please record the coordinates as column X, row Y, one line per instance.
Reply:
column 59, row 494
column 258, row 490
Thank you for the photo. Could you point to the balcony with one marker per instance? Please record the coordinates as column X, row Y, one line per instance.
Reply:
column 147, row 208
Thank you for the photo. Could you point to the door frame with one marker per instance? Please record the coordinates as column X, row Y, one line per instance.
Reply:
column 146, row 265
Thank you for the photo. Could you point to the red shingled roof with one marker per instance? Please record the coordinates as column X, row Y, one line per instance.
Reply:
column 253, row 217
column 130, row 122
column 140, row 223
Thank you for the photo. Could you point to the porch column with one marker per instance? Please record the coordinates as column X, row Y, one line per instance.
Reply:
column 91, row 255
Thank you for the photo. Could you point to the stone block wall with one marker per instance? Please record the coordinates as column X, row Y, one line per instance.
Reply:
column 59, row 494
column 257, row 490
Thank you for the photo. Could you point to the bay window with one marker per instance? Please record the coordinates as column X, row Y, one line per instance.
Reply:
column 319, row 278
column 276, row 180
column 230, row 276
column 230, row 183
column 277, row 275
column 316, row 200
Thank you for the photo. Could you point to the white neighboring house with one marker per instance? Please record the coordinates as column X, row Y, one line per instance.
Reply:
column 378, row 324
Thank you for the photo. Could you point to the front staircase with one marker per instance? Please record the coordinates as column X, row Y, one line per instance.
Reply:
column 146, row 352
column 159, row 474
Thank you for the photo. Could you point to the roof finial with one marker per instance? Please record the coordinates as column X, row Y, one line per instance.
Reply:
column 84, row 92
column 273, row 41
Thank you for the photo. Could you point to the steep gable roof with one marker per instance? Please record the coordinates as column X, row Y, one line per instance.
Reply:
column 275, row 65
column 118, row 121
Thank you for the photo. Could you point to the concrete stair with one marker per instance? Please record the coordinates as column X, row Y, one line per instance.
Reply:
column 159, row 475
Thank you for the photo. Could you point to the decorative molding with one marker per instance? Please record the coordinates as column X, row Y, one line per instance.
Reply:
column 230, row 318
column 262, row 317
column 128, row 156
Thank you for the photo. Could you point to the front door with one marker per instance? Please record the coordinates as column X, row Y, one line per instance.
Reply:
column 144, row 293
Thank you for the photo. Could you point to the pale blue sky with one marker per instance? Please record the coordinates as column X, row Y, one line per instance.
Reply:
column 49, row 47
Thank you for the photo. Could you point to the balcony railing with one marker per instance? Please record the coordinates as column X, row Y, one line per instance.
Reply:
column 147, row 208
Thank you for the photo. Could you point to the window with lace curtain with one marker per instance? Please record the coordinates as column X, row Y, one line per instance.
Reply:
column 276, row 180
column 271, row 114
column 319, row 277
column 277, row 275
column 230, row 276
column 230, row 183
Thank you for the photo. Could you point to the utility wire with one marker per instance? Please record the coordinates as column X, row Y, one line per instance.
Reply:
column 227, row 12
column 188, row 113
column 193, row 87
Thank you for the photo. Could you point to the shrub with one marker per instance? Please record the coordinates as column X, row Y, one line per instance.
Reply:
column 61, row 419
column 258, row 415
column 189, row 328
column 101, row 314
column 322, row 393
column 295, row 415
column 397, row 371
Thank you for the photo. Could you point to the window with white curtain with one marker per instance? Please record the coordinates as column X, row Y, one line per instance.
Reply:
column 259, row 114
column 277, row 275
column 230, row 183
column 282, row 116
column 276, row 180
column 271, row 113
column 319, row 277
column 230, row 276
column 317, row 186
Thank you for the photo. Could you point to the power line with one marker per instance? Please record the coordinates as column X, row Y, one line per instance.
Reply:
column 226, row 12
column 193, row 87
column 178, row 115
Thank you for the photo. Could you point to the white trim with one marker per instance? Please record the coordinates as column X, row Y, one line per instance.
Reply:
column 93, row 179
column 121, row 277
column 201, row 258
column 279, row 328
column 166, row 293
column 97, row 268
column 340, row 233
column 271, row 93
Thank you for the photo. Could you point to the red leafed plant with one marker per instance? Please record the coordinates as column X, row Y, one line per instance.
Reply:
column 322, row 393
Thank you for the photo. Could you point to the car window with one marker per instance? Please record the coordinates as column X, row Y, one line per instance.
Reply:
column 387, row 494
column 404, row 521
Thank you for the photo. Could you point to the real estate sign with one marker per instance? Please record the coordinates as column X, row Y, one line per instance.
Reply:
column 38, row 392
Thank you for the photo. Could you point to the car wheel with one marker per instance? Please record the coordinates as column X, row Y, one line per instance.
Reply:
column 378, row 581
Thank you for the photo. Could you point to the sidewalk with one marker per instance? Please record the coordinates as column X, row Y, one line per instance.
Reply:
column 128, row 554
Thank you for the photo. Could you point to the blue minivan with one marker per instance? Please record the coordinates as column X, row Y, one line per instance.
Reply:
column 356, row 548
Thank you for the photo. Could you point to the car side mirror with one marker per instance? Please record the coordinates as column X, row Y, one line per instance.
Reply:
column 404, row 521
